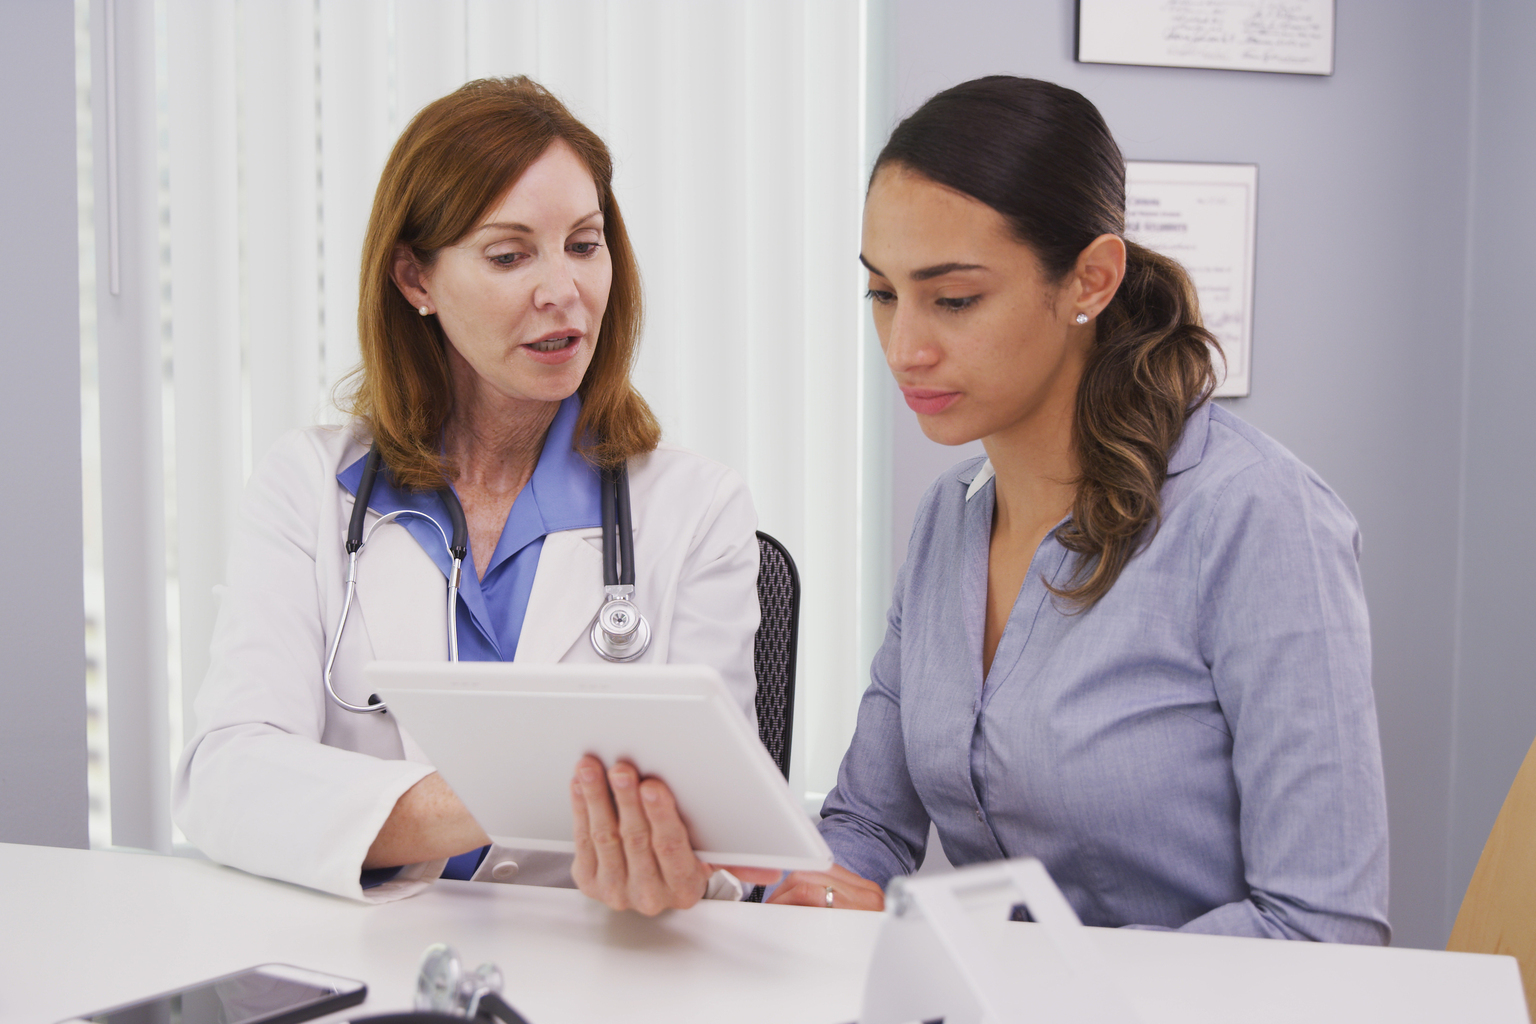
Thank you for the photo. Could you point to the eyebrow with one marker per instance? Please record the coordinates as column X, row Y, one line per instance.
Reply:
column 927, row 273
column 525, row 229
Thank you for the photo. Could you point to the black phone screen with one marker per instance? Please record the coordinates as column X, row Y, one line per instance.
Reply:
column 246, row 998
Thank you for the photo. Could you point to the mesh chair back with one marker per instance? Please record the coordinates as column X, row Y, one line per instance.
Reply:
column 773, row 652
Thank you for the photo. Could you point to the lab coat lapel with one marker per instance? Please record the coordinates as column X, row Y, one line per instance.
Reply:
column 567, row 591
column 402, row 597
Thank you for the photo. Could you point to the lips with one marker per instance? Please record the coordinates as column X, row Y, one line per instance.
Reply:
column 553, row 344
column 555, row 347
column 929, row 401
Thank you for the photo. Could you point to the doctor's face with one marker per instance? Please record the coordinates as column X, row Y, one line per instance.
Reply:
column 974, row 332
column 521, row 297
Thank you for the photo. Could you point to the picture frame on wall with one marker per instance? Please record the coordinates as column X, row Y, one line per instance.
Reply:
column 1293, row 37
column 1204, row 215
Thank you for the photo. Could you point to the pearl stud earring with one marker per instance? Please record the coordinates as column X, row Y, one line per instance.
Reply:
column 423, row 310
column 1081, row 318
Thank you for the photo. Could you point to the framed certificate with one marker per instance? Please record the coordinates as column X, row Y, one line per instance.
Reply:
column 1203, row 215
column 1292, row 37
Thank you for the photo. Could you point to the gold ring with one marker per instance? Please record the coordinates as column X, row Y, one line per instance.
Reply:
column 828, row 888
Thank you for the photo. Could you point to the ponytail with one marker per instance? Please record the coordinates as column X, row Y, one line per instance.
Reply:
column 1149, row 368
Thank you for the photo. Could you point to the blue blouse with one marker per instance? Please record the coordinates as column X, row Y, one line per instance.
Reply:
column 1197, row 750
column 564, row 493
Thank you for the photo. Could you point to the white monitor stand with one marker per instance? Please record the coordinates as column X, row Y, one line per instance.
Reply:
column 934, row 958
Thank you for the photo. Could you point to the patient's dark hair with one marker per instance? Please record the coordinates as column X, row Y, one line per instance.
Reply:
column 1042, row 156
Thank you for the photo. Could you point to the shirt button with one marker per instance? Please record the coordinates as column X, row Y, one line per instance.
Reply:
column 980, row 816
column 504, row 871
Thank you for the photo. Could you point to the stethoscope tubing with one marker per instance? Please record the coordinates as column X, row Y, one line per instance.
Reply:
column 454, row 576
column 626, row 641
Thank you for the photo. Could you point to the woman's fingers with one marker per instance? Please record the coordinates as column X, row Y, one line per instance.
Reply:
column 584, row 867
column 685, row 876
column 646, row 890
column 633, row 850
column 609, row 880
column 838, row 888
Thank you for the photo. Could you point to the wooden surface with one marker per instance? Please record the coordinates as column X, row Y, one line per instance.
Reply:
column 1498, row 914
column 80, row 931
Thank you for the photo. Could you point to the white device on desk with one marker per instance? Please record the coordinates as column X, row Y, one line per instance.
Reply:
column 507, row 737
column 937, row 953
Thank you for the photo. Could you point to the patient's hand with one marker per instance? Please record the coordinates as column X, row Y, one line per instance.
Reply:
column 811, row 888
column 632, row 848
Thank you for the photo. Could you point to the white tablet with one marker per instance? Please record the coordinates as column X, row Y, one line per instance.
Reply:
column 507, row 737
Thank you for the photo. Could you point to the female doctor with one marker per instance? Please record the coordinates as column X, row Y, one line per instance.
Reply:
column 499, row 316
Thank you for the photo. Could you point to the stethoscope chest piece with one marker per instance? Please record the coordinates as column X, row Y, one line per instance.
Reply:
column 620, row 632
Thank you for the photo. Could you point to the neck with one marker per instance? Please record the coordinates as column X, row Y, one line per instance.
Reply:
column 492, row 441
column 1037, row 471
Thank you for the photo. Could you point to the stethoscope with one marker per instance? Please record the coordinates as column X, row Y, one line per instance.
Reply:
column 619, row 632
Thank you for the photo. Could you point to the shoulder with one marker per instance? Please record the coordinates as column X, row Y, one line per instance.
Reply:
column 671, row 470
column 1241, row 473
column 299, row 471
column 320, row 449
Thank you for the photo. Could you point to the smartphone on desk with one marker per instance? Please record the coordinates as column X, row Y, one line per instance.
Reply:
column 269, row 994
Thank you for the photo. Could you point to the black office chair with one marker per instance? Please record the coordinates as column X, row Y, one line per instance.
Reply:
column 773, row 650
column 773, row 654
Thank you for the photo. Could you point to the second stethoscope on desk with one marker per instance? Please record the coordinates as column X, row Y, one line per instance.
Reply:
column 619, row 632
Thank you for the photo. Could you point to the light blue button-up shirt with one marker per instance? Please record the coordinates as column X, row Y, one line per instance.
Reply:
column 1197, row 750
column 564, row 493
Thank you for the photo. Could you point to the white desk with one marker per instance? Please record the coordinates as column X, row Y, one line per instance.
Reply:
column 80, row 931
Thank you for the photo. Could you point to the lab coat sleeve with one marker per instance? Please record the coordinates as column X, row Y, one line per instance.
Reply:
column 256, row 788
column 1283, row 626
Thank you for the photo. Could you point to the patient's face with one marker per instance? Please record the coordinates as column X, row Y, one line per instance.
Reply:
column 974, row 332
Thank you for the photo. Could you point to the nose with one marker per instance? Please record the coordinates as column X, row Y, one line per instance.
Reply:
column 908, row 345
column 556, row 286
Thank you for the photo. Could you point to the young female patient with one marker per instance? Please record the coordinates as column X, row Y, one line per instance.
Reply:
column 1132, row 641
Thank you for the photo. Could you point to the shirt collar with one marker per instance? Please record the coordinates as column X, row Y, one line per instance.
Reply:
column 979, row 481
column 564, row 483
column 562, row 494
column 1190, row 448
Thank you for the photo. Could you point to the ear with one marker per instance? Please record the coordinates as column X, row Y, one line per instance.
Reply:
column 1097, row 276
column 410, row 278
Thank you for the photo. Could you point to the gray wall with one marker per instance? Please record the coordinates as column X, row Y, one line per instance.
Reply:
column 1358, row 348
column 42, row 614
column 1495, row 700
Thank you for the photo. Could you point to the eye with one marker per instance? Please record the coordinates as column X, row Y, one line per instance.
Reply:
column 955, row 305
column 585, row 248
column 879, row 297
column 507, row 259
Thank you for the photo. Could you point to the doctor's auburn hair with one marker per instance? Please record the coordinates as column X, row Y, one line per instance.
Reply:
column 453, row 161
column 1042, row 156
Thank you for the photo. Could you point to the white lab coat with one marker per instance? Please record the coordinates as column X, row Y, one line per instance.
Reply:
column 281, row 782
